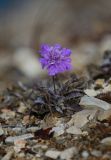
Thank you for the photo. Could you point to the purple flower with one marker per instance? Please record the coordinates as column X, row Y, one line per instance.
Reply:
column 55, row 58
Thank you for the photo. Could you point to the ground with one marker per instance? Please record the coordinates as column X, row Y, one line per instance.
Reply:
column 73, row 123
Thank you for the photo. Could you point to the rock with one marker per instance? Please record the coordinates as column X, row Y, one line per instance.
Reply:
column 85, row 154
column 7, row 114
column 17, row 129
column 22, row 108
column 92, row 102
column 33, row 129
column 107, row 88
column 91, row 92
column 96, row 153
column 22, row 137
column 37, row 146
column 26, row 61
column 81, row 118
column 8, row 156
column 19, row 144
column 67, row 154
column 59, row 130
column 21, row 155
column 26, row 120
column 104, row 115
column 106, row 156
column 99, row 82
column 74, row 130
column 52, row 154
column 1, row 131
column 106, row 141
column 85, row 133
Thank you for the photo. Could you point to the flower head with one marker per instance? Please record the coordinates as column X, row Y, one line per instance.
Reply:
column 55, row 58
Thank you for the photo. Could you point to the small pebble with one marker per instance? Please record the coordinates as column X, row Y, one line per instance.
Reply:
column 17, row 129
column 85, row 133
column 74, row 130
column 26, row 120
column 96, row 153
column 19, row 144
column 52, row 154
column 22, row 137
column 92, row 102
column 8, row 156
column 33, row 129
column 104, row 115
column 106, row 156
column 1, row 131
column 21, row 155
column 80, row 119
column 91, row 92
column 99, row 82
column 59, row 130
column 67, row 154
column 85, row 154
column 7, row 114
column 106, row 141
column 22, row 108
column 38, row 146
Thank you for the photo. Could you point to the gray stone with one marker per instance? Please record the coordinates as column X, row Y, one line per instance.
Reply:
column 52, row 154
column 104, row 115
column 85, row 154
column 96, row 153
column 22, row 137
column 1, row 131
column 8, row 156
column 67, row 154
column 74, row 130
column 106, row 141
column 82, row 118
column 91, row 102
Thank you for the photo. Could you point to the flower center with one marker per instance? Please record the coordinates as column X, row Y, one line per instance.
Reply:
column 55, row 57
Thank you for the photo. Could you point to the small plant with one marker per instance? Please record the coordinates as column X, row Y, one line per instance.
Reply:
column 55, row 59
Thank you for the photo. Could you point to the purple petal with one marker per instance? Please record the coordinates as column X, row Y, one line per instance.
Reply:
column 58, row 46
column 44, row 49
column 66, row 52
column 55, row 58
column 43, row 62
column 53, row 70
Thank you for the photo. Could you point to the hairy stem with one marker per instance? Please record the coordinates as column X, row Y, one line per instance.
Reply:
column 54, row 84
